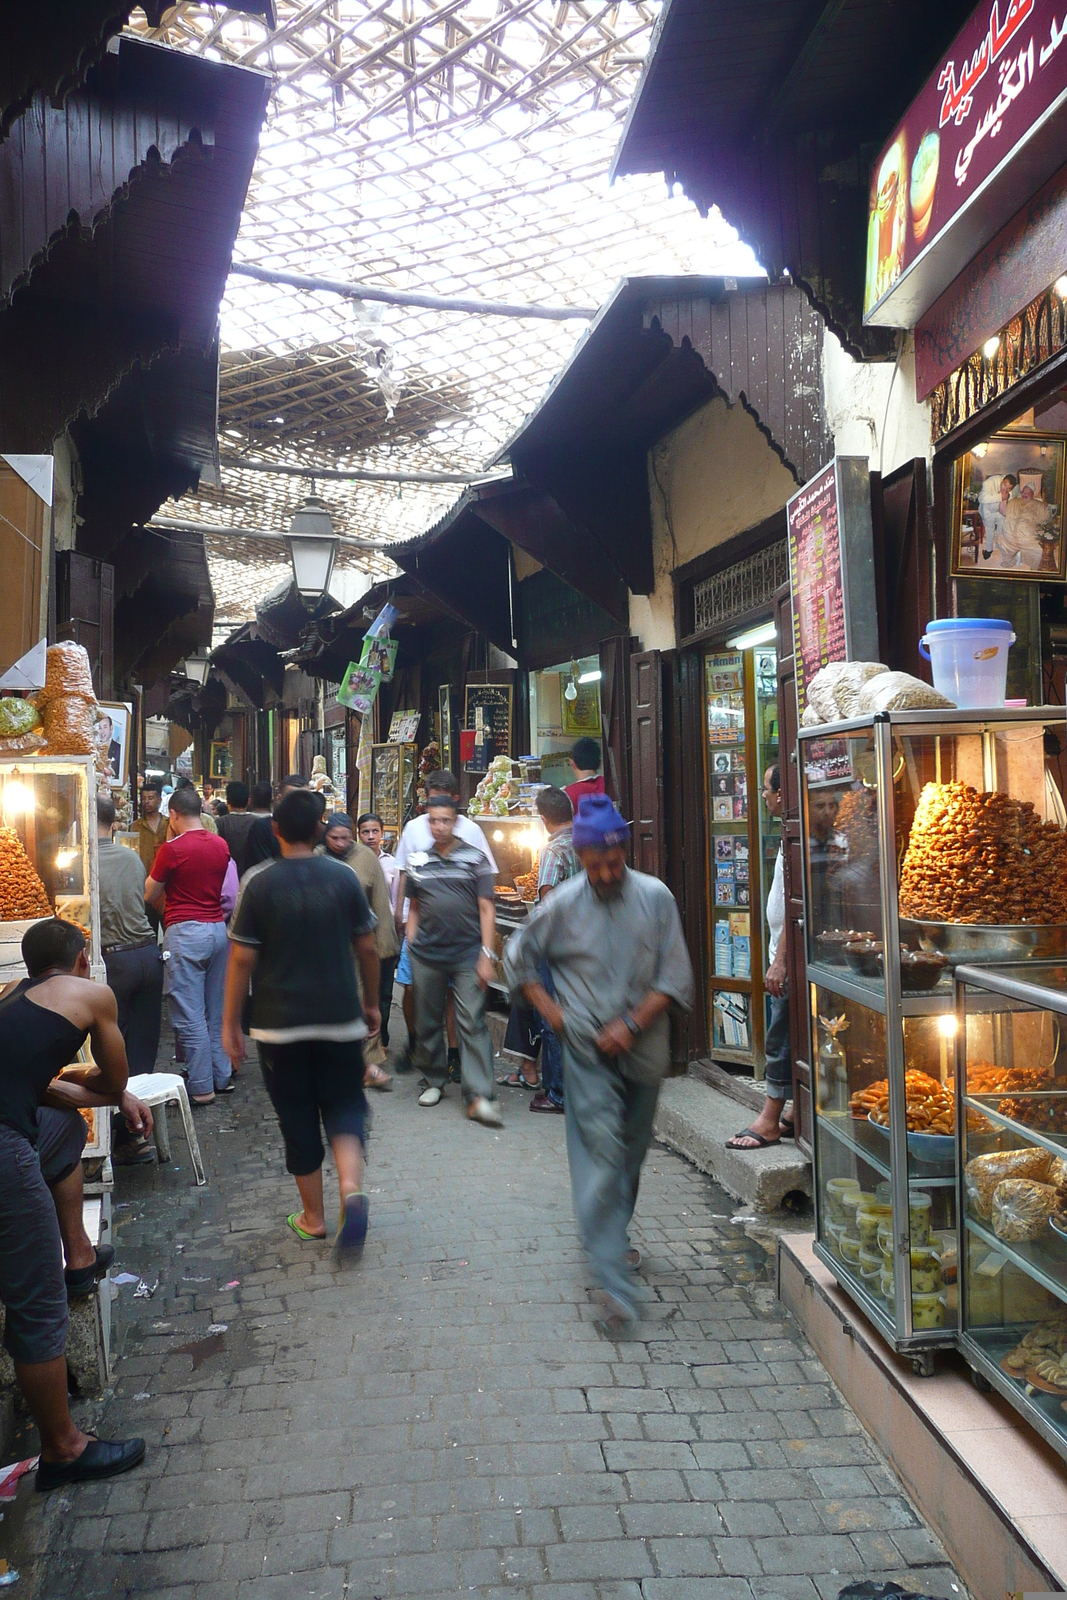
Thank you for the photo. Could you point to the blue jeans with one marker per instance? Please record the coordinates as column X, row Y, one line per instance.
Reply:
column 196, row 980
column 779, row 1068
column 551, row 1055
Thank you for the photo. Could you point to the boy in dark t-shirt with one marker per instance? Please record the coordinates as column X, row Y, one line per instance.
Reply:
column 293, row 934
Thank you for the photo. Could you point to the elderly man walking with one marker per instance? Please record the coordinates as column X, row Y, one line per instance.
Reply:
column 612, row 940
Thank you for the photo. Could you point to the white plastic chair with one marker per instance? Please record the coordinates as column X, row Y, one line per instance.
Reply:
column 163, row 1089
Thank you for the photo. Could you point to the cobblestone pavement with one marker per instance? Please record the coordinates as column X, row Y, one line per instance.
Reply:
column 445, row 1418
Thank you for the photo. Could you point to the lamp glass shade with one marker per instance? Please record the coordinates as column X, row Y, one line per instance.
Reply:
column 312, row 548
column 196, row 668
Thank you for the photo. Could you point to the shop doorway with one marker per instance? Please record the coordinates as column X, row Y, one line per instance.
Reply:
column 565, row 705
column 740, row 690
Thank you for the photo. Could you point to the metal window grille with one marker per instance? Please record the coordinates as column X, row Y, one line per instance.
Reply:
column 739, row 589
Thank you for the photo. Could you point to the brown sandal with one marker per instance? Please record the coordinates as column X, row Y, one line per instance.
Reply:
column 375, row 1078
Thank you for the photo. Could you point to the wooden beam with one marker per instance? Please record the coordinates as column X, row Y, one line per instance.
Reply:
column 402, row 297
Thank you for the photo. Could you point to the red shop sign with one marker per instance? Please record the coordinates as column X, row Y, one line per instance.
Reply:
column 985, row 132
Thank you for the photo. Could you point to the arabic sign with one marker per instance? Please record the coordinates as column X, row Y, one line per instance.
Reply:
column 815, row 577
column 953, row 173
column 831, row 570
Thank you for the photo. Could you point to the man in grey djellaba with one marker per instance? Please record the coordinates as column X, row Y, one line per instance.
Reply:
column 613, row 942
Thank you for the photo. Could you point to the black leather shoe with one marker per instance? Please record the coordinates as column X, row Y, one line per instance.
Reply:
column 101, row 1458
column 82, row 1279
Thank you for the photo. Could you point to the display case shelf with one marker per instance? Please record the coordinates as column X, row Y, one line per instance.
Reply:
column 881, row 845
column 1043, row 1260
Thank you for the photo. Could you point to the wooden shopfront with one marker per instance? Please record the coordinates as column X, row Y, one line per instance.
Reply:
column 727, row 735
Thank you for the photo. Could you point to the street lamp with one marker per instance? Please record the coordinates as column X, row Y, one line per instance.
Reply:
column 312, row 548
column 196, row 669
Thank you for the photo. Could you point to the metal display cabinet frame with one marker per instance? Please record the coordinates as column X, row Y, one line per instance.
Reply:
column 1003, row 989
column 30, row 767
column 885, row 997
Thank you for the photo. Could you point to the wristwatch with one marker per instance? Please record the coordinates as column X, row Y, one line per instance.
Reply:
column 631, row 1024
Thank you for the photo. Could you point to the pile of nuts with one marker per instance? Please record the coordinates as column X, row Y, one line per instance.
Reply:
column 982, row 858
column 22, row 893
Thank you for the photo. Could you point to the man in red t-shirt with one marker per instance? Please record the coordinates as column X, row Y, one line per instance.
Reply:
column 186, row 883
column 585, row 763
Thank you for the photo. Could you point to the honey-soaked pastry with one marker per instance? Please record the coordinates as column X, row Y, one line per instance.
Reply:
column 22, row 893
column 982, row 858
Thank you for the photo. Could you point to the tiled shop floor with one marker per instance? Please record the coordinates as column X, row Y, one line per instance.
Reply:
column 445, row 1418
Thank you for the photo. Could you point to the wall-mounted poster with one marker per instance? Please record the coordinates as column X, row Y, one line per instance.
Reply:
column 1008, row 517
column 113, row 735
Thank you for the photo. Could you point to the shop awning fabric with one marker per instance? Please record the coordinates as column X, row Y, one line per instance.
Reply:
column 772, row 110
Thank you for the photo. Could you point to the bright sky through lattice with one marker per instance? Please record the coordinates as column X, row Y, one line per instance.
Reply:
column 457, row 147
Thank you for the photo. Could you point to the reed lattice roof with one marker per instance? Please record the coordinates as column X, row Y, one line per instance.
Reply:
column 457, row 147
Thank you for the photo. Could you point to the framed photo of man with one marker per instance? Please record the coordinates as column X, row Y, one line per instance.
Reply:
column 113, row 738
column 1008, row 511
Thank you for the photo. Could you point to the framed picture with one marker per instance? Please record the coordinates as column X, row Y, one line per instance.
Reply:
column 221, row 758
column 1008, row 509
column 582, row 715
column 113, row 734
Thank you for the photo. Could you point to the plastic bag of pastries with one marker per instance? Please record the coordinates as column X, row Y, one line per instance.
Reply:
column 67, row 672
column 1021, row 1208
column 983, row 1173
column 899, row 691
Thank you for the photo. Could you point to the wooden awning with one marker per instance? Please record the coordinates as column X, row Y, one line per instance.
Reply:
column 772, row 110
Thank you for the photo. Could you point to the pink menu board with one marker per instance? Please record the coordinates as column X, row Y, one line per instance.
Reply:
column 816, row 578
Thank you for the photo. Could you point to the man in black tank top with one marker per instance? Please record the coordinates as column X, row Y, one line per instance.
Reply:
column 44, row 1020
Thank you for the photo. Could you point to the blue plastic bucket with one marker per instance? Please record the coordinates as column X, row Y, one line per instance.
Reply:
column 969, row 658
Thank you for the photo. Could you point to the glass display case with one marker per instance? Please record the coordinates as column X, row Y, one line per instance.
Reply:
column 1013, row 1184
column 394, row 770
column 929, row 839
column 47, row 852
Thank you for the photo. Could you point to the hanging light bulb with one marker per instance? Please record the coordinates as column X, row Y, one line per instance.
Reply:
column 571, row 691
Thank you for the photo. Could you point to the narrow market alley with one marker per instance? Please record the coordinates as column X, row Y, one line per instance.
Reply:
column 445, row 1417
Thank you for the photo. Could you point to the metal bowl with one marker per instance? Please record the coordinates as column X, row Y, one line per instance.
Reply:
column 934, row 1148
column 960, row 942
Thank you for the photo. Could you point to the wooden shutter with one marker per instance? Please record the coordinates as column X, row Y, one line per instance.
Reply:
column 615, row 715
column 22, row 540
column 905, row 557
column 799, row 1021
column 85, row 612
column 646, row 720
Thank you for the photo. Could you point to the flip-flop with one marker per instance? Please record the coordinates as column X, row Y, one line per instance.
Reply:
column 747, row 1133
column 515, row 1080
column 352, row 1234
column 787, row 1129
column 302, row 1233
